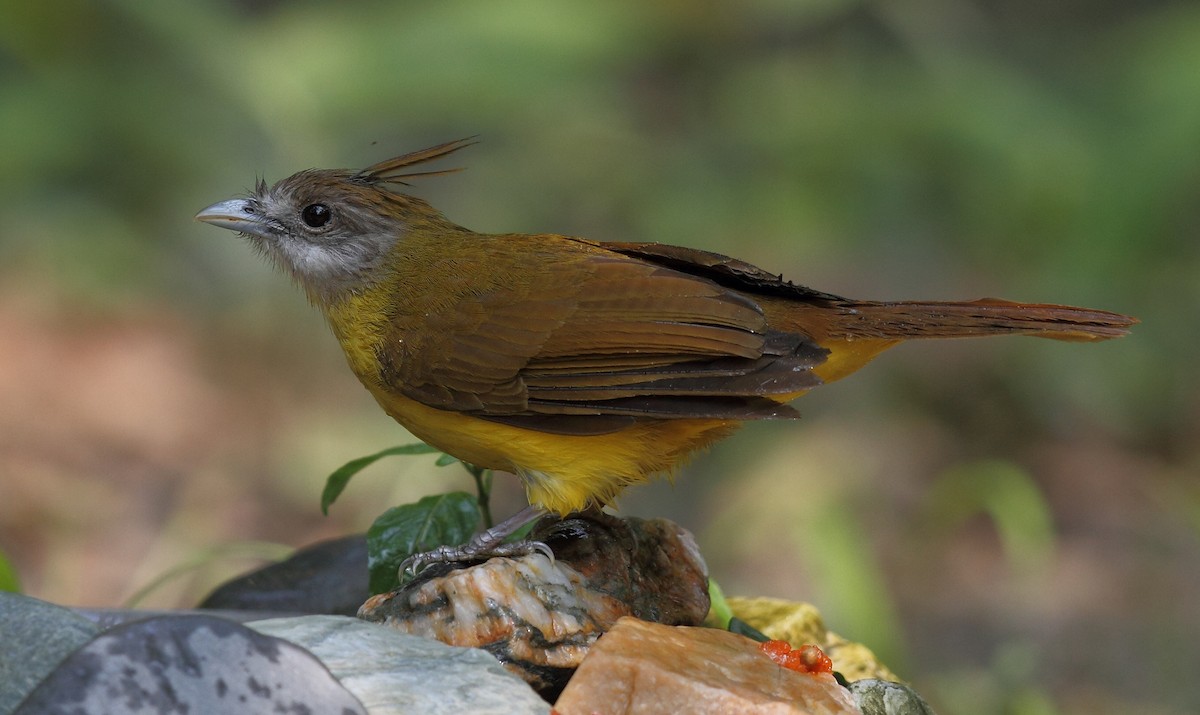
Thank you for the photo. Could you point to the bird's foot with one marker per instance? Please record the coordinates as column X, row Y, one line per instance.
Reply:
column 484, row 545
column 472, row 551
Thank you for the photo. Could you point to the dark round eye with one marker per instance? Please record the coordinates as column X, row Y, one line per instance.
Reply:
column 316, row 215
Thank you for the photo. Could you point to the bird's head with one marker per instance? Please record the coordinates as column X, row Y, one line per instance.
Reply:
column 333, row 229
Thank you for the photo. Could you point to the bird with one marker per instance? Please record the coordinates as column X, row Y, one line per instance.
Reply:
column 578, row 365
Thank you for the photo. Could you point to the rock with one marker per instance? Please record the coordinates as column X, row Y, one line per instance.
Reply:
column 539, row 617
column 640, row 667
column 800, row 623
column 652, row 565
column 327, row 577
column 35, row 637
column 196, row 664
column 392, row 673
column 106, row 618
column 879, row 697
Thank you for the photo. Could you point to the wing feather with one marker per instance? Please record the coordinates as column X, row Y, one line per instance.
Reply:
column 593, row 339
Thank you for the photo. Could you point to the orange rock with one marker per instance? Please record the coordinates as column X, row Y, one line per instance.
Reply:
column 640, row 667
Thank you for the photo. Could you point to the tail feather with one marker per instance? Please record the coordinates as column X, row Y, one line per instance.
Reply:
column 987, row 316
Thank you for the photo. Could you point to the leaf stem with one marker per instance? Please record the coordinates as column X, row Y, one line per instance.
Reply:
column 483, row 485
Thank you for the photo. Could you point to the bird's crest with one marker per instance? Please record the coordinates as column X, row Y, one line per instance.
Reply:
column 393, row 171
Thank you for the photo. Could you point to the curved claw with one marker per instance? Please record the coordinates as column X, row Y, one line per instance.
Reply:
column 410, row 567
column 542, row 548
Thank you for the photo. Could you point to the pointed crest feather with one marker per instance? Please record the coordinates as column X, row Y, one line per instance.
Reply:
column 392, row 171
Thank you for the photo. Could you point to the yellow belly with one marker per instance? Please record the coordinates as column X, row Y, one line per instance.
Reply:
column 562, row 473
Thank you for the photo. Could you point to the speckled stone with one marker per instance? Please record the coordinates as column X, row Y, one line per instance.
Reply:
column 188, row 664
column 880, row 697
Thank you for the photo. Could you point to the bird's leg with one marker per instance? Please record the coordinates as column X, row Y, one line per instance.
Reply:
column 485, row 544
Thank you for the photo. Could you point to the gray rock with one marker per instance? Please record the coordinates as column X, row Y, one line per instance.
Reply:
column 35, row 637
column 327, row 577
column 188, row 664
column 880, row 697
column 394, row 673
column 106, row 618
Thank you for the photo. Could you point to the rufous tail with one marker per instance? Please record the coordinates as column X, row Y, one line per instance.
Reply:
column 988, row 316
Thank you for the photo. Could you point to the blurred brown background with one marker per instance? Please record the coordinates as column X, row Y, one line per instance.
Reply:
column 1012, row 523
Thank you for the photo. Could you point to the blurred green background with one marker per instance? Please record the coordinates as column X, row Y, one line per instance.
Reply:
column 1013, row 524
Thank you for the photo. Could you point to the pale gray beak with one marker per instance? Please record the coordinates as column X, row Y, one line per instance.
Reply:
column 235, row 215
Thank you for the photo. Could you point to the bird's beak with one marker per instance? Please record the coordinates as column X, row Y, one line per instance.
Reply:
column 235, row 215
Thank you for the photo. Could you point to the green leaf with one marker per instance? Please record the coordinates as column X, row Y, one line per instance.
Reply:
column 341, row 477
column 445, row 459
column 719, row 612
column 720, row 615
column 8, row 576
column 406, row 530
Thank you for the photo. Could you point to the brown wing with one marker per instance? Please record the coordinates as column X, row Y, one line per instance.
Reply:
column 580, row 339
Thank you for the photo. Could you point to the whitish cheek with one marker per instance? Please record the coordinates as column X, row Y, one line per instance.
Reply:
column 316, row 263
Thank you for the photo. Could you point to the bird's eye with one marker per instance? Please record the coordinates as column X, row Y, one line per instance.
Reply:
column 316, row 215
